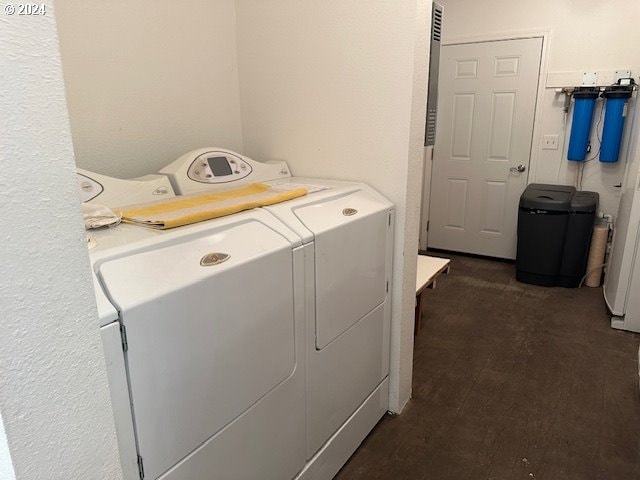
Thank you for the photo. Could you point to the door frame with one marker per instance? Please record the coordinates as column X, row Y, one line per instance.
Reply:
column 545, row 35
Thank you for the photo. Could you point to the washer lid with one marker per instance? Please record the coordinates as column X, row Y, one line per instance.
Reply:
column 210, row 332
column 141, row 277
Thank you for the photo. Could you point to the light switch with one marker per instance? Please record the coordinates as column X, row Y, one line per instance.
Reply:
column 550, row 142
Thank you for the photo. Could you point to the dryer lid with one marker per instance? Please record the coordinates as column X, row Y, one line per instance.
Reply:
column 335, row 211
column 351, row 233
column 324, row 210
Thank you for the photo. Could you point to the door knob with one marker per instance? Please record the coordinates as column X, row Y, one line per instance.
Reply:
column 518, row 169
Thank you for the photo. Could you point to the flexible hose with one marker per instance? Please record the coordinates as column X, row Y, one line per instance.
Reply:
column 590, row 271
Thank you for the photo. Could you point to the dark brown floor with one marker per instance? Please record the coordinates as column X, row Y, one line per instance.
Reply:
column 511, row 381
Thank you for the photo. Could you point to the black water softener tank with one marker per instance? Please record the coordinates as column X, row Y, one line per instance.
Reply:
column 554, row 232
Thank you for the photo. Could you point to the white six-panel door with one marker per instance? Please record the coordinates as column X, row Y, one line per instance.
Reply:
column 486, row 108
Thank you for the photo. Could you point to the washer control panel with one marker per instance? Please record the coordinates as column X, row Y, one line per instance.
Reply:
column 117, row 192
column 213, row 169
column 218, row 167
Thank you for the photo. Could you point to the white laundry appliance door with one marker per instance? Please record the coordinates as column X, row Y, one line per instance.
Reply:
column 208, row 344
column 350, row 250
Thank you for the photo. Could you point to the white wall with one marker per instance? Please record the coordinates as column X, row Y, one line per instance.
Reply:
column 54, row 397
column 147, row 81
column 584, row 35
column 338, row 90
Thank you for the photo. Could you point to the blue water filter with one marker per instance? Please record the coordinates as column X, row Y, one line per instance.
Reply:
column 584, row 104
column 615, row 113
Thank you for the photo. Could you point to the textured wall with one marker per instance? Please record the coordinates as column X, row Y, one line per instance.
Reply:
column 337, row 89
column 584, row 35
column 148, row 80
column 402, row 346
column 54, row 396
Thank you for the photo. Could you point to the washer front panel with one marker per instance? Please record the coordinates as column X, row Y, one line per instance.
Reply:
column 205, row 343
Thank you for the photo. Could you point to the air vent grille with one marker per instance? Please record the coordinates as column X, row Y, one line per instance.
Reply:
column 436, row 30
column 434, row 63
column 431, row 127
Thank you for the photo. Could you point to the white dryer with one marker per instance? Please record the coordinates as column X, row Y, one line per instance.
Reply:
column 347, row 232
column 347, row 229
column 203, row 328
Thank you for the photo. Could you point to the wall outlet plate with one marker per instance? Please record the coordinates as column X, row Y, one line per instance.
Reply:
column 550, row 142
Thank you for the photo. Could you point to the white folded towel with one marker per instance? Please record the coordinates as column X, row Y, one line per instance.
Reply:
column 96, row 216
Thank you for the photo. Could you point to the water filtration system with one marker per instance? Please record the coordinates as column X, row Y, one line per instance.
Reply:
column 617, row 98
column 584, row 105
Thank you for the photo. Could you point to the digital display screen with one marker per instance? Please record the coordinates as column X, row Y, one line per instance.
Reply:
column 219, row 166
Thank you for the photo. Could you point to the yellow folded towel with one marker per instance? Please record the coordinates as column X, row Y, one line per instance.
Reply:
column 197, row 208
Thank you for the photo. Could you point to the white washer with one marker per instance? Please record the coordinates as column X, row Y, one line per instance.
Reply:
column 203, row 329
column 347, row 232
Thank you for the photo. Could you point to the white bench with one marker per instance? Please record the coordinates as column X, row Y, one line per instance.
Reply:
column 429, row 268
